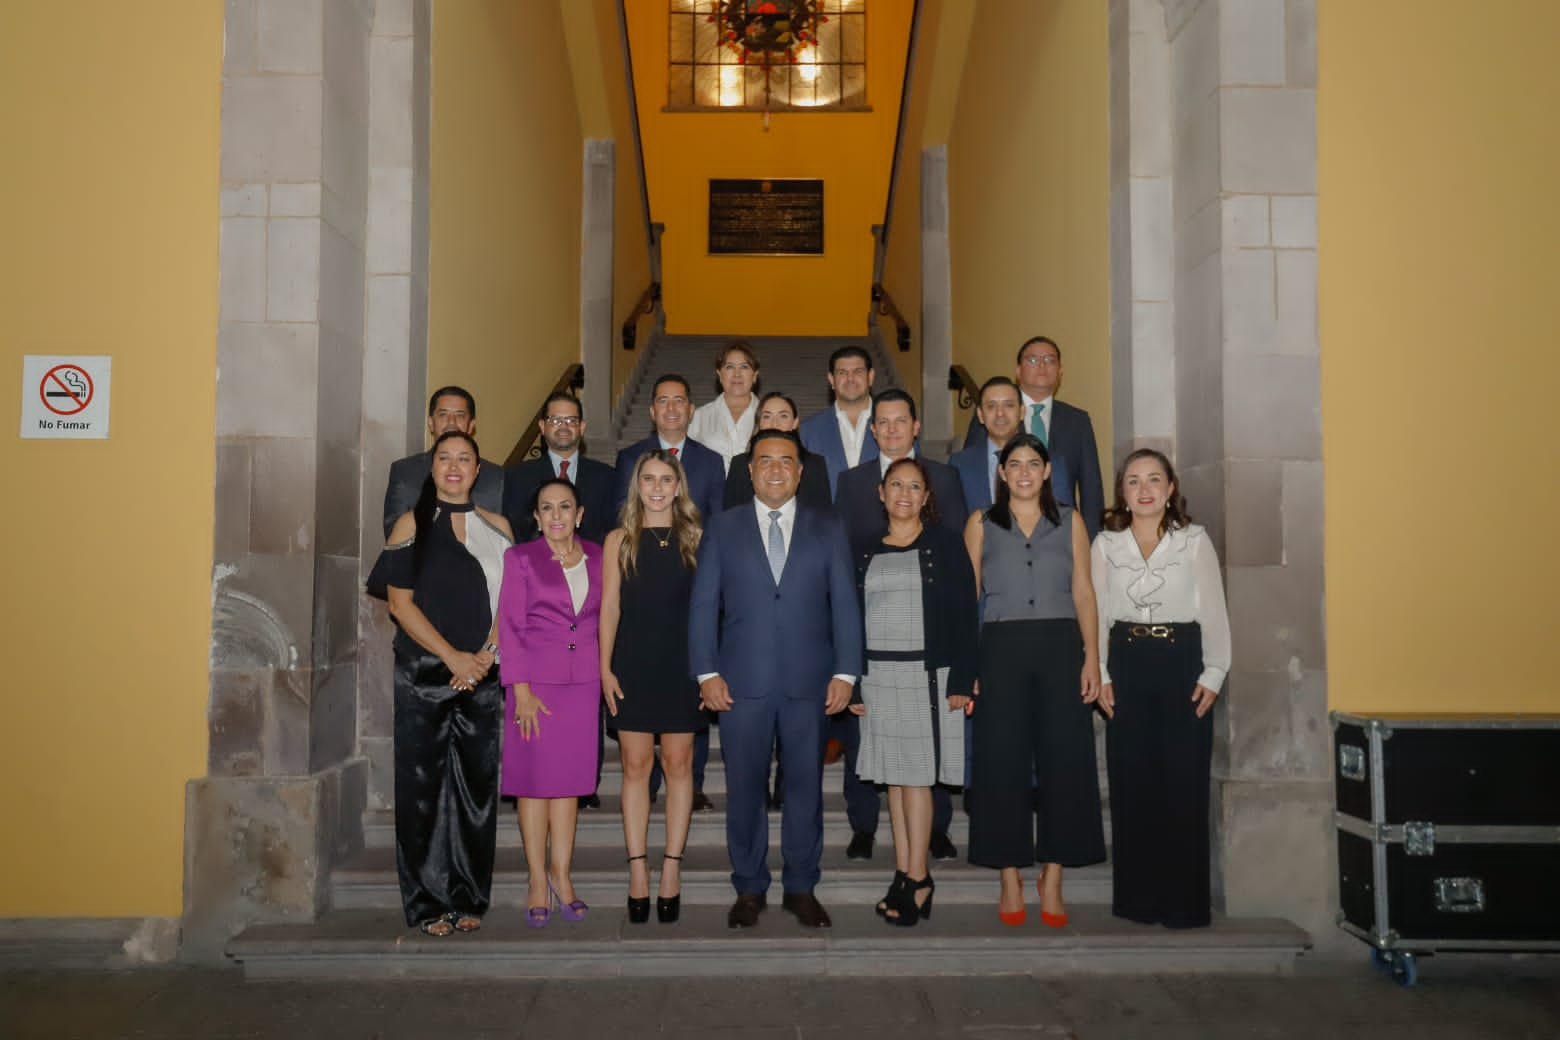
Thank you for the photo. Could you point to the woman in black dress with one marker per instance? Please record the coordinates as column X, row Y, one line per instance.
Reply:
column 440, row 572
column 647, row 578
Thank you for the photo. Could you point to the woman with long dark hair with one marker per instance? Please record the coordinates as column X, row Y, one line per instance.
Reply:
column 1164, row 652
column 647, row 578
column 1033, row 731
column 548, row 612
column 440, row 572
column 917, row 592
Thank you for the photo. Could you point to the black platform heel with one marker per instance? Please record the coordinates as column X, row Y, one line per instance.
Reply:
column 667, row 910
column 638, row 908
column 900, row 883
column 907, row 911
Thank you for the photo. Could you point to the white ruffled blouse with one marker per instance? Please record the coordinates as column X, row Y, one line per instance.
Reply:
column 713, row 427
column 1179, row 582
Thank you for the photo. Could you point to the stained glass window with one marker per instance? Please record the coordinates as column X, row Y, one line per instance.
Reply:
column 767, row 54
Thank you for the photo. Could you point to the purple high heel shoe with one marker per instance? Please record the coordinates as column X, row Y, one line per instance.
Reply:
column 574, row 911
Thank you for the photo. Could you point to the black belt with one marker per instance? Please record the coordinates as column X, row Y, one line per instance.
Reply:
column 896, row 655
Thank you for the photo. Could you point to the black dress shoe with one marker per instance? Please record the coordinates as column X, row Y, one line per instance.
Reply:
column 860, row 846
column 807, row 909
column 744, row 912
column 942, row 846
column 702, row 803
column 590, row 801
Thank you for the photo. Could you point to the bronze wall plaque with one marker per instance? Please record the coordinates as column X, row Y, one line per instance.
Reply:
column 770, row 217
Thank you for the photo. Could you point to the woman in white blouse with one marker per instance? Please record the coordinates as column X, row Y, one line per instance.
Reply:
column 725, row 424
column 1164, row 652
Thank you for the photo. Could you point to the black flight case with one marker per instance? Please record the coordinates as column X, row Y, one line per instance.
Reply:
column 1448, row 833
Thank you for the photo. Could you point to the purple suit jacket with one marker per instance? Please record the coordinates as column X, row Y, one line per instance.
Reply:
column 540, row 638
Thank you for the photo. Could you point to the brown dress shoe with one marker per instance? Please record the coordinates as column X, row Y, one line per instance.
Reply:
column 744, row 912
column 807, row 909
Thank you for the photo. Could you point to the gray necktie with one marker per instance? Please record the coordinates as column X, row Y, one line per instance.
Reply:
column 776, row 546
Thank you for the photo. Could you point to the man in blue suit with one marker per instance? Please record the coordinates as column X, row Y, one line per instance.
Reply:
column 998, row 410
column 839, row 433
column 774, row 638
column 1067, row 432
column 671, row 409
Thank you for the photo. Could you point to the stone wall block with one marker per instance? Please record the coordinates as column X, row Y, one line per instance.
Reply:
column 1194, row 54
column 232, row 501
column 1246, row 221
column 240, row 37
column 376, row 663
column 1296, row 282
column 1251, row 42
column 1119, row 46
column 1300, row 42
column 293, row 269
column 1196, row 157
column 390, row 117
column 300, row 199
column 236, row 719
column 1279, row 856
column 1258, row 724
column 1150, row 112
column 1198, row 233
column 282, row 494
column 1269, row 140
column 381, row 447
column 346, row 161
column 1177, row 14
column 285, row 736
column 241, row 296
column 1275, row 618
column 392, row 18
column 271, row 129
column 1304, row 513
column 341, row 301
column 1199, row 323
column 262, row 612
column 266, row 380
column 389, row 248
column 380, row 754
column 1153, row 241
column 351, row 803
column 1202, row 485
column 1250, row 305
column 332, row 716
column 291, row 36
column 336, row 592
column 1200, row 414
column 1273, row 407
column 243, row 200
column 387, row 355
column 1153, row 368
column 1254, row 502
column 1294, row 221
column 347, row 29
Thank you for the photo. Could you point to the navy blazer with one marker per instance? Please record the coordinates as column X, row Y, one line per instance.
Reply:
column 705, row 469
column 593, row 483
column 856, row 500
column 767, row 640
column 1075, row 462
column 406, row 483
column 970, row 465
column 821, row 434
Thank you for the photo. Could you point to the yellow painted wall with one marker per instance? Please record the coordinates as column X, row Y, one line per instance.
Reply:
column 850, row 151
column 109, row 200
column 1439, row 258
column 504, row 210
column 1028, row 182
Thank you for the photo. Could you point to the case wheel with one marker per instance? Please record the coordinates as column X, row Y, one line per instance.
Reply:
column 1400, row 964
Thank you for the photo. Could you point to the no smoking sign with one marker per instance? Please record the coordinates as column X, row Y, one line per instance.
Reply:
column 65, row 397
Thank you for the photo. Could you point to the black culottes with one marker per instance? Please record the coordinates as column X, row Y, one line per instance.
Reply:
column 1159, row 753
column 446, row 789
column 1033, row 750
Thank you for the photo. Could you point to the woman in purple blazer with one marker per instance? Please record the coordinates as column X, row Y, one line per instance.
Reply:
column 549, row 664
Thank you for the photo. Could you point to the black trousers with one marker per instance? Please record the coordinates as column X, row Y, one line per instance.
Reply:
column 446, row 789
column 1030, row 724
column 1158, row 753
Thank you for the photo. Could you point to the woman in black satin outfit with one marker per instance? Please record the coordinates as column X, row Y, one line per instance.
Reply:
column 440, row 572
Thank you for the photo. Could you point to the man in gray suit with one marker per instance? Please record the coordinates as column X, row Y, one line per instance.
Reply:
column 450, row 408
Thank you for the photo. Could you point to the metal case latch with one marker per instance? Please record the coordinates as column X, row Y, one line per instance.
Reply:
column 1351, row 762
column 1459, row 895
column 1419, row 838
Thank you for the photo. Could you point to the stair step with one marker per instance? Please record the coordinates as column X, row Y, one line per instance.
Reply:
column 956, row 940
column 367, row 880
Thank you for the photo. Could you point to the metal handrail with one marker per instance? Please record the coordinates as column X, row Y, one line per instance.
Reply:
column 573, row 378
column 649, row 300
column 960, row 380
column 884, row 304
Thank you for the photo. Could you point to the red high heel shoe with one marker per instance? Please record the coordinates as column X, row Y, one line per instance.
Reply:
column 1046, row 917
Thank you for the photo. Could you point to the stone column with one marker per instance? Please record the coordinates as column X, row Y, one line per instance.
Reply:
column 936, row 303
column 285, row 792
column 597, row 196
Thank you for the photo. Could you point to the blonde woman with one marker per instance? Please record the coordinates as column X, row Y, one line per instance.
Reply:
column 646, row 583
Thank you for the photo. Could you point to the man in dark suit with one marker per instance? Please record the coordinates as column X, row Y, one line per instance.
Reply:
column 998, row 410
column 895, row 428
column 1067, row 432
column 774, row 638
column 449, row 408
column 671, row 408
column 776, row 411
column 839, row 433
column 563, row 430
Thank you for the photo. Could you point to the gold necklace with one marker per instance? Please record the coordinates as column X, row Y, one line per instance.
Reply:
column 563, row 556
column 662, row 542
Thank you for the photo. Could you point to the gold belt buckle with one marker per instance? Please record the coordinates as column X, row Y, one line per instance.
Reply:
column 1151, row 631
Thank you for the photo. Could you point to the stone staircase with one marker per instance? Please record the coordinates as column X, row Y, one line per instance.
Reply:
column 363, row 935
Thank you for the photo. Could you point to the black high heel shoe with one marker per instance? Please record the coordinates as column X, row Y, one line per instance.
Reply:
column 638, row 907
column 667, row 910
column 906, row 910
column 901, row 881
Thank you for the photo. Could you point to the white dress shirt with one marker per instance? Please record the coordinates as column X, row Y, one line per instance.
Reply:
column 713, row 427
column 572, row 460
column 1179, row 582
column 853, row 435
column 884, row 462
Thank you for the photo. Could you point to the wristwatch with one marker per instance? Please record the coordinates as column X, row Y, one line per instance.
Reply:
column 491, row 648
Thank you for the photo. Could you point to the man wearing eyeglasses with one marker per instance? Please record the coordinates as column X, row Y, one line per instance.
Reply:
column 563, row 432
column 1067, row 432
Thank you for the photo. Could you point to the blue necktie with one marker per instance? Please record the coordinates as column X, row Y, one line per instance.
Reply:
column 1037, row 424
column 776, row 546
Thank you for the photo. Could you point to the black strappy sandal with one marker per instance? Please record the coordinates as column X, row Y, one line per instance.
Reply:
column 901, row 881
column 638, row 906
column 667, row 910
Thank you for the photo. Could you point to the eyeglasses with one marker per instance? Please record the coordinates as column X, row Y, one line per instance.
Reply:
column 1047, row 360
column 562, row 420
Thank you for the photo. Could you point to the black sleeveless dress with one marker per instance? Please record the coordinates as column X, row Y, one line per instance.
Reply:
column 650, row 654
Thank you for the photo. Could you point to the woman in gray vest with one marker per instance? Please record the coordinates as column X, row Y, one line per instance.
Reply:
column 1033, row 730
